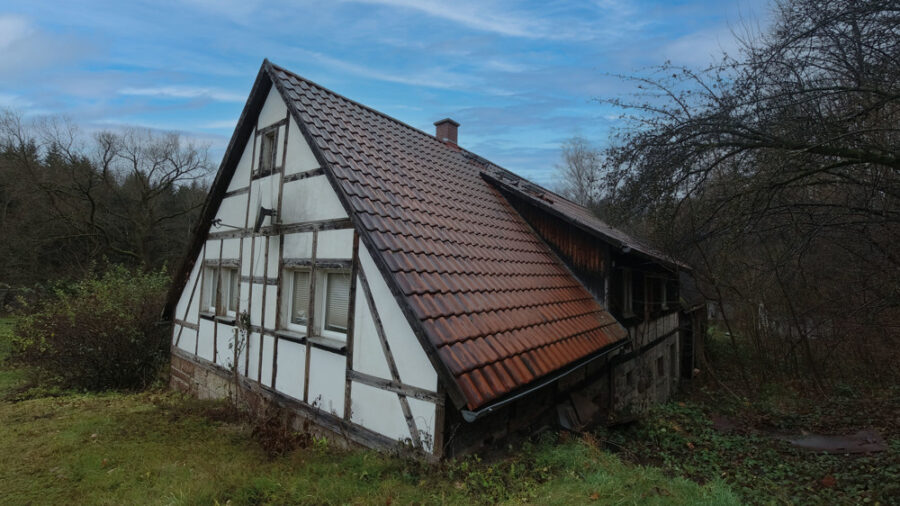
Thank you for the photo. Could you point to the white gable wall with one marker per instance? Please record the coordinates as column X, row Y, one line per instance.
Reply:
column 309, row 198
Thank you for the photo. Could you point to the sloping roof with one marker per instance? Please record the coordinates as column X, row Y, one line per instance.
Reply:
column 578, row 215
column 493, row 300
column 493, row 306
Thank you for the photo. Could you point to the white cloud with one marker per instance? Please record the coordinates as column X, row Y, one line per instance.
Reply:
column 184, row 92
column 24, row 48
column 606, row 18
column 431, row 78
column 700, row 48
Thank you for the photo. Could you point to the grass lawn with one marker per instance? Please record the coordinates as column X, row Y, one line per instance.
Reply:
column 158, row 447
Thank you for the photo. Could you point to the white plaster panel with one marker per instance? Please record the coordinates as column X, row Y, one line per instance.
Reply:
column 267, row 348
column 244, row 296
column 291, row 364
column 264, row 193
column 185, row 303
column 212, row 249
column 224, row 341
column 378, row 410
column 241, row 176
column 256, row 304
column 231, row 249
column 273, row 110
column 298, row 245
column 232, row 211
column 413, row 364
column 310, row 199
column 253, row 350
column 188, row 340
column 300, row 157
column 271, row 304
column 368, row 357
column 335, row 244
column 327, row 377
column 274, row 241
column 205, row 340
column 424, row 413
column 245, row 259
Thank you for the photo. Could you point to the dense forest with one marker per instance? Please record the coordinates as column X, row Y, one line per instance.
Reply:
column 775, row 173
column 71, row 203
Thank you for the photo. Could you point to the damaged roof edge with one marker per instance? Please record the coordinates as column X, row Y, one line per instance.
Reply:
column 473, row 415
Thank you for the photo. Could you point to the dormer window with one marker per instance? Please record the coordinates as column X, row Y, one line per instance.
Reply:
column 267, row 151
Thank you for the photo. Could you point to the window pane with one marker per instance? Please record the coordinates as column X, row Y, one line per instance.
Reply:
column 267, row 157
column 337, row 301
column 300, row 305
column 210, row 281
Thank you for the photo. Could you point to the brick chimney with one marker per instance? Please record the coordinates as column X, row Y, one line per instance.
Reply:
column 446, row 130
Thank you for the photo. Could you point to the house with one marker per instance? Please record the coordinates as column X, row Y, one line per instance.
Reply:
column 394, row 287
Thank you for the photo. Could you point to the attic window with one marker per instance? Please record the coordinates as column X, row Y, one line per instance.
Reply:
column 267, row 151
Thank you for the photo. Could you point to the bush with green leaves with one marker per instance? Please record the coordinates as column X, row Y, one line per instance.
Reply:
column 102, row 332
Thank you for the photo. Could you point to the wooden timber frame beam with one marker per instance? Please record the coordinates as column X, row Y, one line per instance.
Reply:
column 351, row 325
column 389, row 356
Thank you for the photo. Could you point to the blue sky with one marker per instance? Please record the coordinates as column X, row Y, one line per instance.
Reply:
column 520, row 77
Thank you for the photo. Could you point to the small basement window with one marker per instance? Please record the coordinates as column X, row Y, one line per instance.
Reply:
column 267, row 151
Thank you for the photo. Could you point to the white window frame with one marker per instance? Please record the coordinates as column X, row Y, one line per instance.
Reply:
column 268, row 134
column 216, row 297
column 319, row 306
column 322, row 302
column 288, row 303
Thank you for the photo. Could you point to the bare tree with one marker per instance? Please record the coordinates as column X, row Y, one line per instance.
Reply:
column 778, row 172
column 67, row 200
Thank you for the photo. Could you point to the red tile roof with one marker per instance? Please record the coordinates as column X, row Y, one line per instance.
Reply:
column 497, row 306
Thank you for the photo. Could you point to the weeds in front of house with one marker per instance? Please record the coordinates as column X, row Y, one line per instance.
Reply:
column 744, row 443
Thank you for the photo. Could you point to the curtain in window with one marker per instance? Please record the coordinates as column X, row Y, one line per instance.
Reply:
column 300, row 306
column 337, row 301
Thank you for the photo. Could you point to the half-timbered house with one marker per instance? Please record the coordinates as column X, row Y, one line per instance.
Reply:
column 396, row 288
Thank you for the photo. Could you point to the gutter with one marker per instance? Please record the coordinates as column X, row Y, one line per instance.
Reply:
column 471, row 416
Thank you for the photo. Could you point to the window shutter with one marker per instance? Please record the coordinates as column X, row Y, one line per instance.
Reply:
column 301, row 297
column 337, row 302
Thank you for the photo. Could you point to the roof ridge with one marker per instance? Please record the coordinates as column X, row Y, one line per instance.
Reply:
column 354, row 102
column 458, row 148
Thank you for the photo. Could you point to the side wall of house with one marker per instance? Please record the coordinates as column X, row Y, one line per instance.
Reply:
column 377, row 362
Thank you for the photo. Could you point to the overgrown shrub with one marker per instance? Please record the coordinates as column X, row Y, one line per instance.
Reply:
column 99, row 333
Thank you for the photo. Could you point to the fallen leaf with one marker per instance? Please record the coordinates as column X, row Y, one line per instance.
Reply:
column 690, row 445
column 595, row 496
column 828, row 481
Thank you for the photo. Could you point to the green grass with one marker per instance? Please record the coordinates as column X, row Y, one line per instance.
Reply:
column 159, row 447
